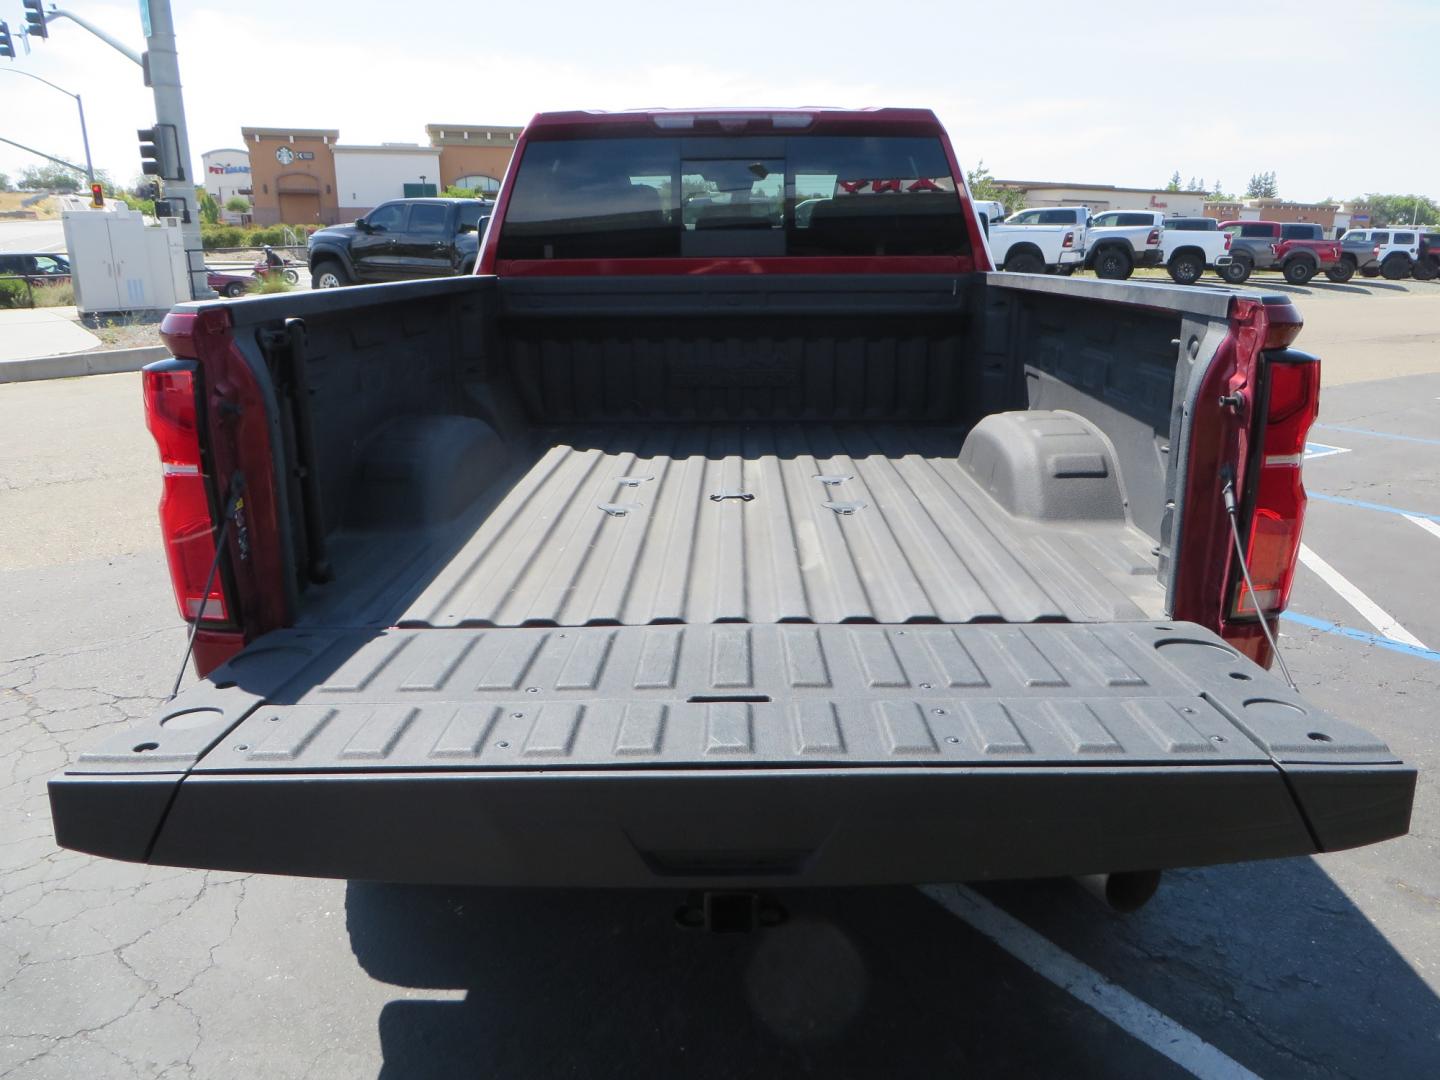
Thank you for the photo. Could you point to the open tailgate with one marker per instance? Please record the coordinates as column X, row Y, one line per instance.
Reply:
column 727, row 753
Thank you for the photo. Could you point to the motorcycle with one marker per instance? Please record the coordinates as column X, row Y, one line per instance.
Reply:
column 264, row 269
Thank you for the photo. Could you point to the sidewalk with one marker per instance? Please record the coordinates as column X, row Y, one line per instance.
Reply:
column 31, row 332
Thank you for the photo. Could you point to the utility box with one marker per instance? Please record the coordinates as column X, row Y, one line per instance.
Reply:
column 119, row 263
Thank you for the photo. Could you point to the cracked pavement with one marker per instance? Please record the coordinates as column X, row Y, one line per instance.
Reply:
column 1309, row 967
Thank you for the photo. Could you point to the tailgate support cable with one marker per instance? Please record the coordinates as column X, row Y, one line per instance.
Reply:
column 1232, row 511
column 232, row 507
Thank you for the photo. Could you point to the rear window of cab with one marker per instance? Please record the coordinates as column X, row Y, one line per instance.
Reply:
column 713, row 196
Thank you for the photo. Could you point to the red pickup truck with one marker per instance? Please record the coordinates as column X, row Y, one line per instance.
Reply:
column 1298, row 250
column 696, row 542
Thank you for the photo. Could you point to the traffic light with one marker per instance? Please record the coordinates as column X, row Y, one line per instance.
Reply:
column 35, row 18
column 160, row 152
column 97, row 196
column 7, row 46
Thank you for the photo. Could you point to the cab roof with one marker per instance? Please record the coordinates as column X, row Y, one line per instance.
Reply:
column 711, row 121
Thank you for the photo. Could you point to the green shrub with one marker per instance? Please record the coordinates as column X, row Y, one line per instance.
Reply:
column 270, row 234
column 237, row 204
column 13, row 293
column 221, row 236
column 272, row 283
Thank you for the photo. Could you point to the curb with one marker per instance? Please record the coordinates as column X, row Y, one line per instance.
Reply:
column 71, row 365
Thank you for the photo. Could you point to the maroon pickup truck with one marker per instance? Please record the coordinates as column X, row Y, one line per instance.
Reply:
column 698, row 542
column 1297, row 249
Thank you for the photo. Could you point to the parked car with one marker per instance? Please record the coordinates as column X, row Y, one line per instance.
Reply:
column 1190, row 245
column 1257, row 245
column 1040, row 240
column 725, row 558
column 1391, row 252
column 36, row 267
column 1120, row 240
column 227, row 282
column 398, row 241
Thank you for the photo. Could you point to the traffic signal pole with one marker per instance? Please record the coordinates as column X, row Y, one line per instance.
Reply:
column 161, row 65
column 163, row 71
column 84, row 134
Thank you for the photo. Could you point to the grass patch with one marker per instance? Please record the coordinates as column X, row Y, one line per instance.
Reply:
column 61, row 294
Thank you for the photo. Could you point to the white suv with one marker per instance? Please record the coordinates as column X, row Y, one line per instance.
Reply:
column 1390, row 251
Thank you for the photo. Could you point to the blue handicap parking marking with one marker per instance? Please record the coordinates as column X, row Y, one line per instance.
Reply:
column 1315, row 450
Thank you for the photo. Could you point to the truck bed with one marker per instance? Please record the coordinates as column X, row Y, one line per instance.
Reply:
column 760, row 523
column 700, row 582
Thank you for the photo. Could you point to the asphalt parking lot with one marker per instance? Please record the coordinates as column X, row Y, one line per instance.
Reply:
column 1324, row 967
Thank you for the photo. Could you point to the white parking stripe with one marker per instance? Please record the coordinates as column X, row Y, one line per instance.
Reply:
column 1424, row 523
column 1085, row 984
column 1384, row 623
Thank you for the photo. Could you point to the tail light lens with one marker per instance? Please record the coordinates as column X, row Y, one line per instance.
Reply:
column 1069, row 241
column 1375, row 253
column 1228, row 238
column 1153, row 238
column 172, row 415
column 1279, row 507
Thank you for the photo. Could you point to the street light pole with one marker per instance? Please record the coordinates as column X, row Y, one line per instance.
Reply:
column 84, row 135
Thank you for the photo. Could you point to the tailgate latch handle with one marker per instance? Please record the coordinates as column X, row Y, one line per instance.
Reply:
column 721, row 496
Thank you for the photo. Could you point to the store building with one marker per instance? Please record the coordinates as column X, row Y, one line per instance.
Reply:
column 227, row 173
column 1274, row 210
column 1099, row 197
column 305, row 175
column 292, row 175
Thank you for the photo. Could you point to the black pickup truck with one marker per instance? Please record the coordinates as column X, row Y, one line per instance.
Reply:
column 399, row 241
column 741, row 548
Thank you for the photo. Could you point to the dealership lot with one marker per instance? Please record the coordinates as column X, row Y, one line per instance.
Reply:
column 1309, row 967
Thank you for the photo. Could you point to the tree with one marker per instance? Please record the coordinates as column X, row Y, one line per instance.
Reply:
column 209, row 209
column 984, row 188
column 5, row 182
column 451, row 192
column 239, row 204
column 50, row 177
column 1174, row 184
column 1262, row 186
column 1400, row 209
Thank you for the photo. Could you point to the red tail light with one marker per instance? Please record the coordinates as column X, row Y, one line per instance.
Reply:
column 186, row 524
column 1069, row 241
column 1228, row 238
column 1154, row 237
column 1279, row 506
column 1375, row 254
column 1274, row 249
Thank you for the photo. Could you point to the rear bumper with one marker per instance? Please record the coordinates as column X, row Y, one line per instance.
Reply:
column 1223, row 260
column 1155, row 257
column 706, row 828
column 1071, row 257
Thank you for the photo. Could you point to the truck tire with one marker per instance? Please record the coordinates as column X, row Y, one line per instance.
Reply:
column 1298, row 271
column 1425, row 270
column 1186, row 268
column 1369, row 271
column 1114, row 264
column 1238, row 270
column 1395, row 267
column 1025, row 262
column 328, row 274
column 1342, row 271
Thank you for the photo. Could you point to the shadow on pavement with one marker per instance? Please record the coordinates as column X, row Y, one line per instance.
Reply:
column 1272, row 963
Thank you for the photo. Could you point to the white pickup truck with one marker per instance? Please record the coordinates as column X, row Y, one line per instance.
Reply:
column 1121, row 240
column 1189, row 245
column 1034, row 241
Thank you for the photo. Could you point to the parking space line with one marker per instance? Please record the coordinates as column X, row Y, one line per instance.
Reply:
column 1363, row 505
column 1360, row 635
column 1082, row 982
column 1426, row 523
column 1368, row 609
column 1378, row 434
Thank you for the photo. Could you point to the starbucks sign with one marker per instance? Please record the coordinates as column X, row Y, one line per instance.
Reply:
column 284, row 155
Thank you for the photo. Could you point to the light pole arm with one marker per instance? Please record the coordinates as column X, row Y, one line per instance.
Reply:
column 84, row 134
column 124, row 50
column 41, row 153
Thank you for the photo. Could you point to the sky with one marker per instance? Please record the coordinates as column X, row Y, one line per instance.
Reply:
column 1107, row 92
